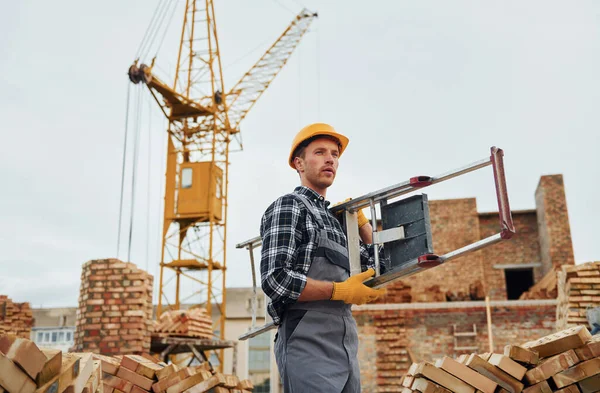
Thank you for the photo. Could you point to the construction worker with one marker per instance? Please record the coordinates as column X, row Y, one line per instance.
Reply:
column 305, row 272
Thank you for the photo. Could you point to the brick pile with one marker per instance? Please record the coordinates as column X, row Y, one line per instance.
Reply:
column 563, row 362
column 398, row 292
column 187, row 323
column 546, row 288
column 15, row 318
column 25, row 368
column 143, row 374
column 432, row 294
column 401, row 292
column 578, row 291
column 115, row 308
column 475, row 293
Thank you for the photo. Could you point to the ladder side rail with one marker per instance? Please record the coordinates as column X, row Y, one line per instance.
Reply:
column 408, row 186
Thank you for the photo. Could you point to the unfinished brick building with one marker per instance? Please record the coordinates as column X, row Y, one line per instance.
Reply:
column 416, row 322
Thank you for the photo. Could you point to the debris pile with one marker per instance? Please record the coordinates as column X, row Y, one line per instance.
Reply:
column 564, row 362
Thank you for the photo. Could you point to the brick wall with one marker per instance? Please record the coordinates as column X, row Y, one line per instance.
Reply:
column 553, row 222
column 425, row 332
column 543, row 236
column 454, row 224
column 367, row 349
column 522, row 248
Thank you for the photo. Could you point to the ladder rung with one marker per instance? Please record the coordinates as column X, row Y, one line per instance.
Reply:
column 466, row 348
column 465, row 334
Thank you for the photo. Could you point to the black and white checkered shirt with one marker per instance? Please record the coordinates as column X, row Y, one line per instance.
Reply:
column 289, row 241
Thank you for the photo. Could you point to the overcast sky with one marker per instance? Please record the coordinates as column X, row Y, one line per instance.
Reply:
column 420, row 87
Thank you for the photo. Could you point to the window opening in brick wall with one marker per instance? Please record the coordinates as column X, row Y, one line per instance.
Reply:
column 517, row 282
column 259, row 362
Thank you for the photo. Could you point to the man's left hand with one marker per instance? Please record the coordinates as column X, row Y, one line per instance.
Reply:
column 362, row 220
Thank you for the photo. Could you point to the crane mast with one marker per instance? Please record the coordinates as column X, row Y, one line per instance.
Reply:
column 204, row 120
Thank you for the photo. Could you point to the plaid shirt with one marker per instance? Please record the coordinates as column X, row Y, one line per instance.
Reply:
column 289, row 241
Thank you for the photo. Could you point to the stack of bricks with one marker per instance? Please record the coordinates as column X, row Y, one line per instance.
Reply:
column 15, row 318
column 142, row 374
column 398, row 292
column 432, row 294
column 187, row 323
column 392, row 355
column 544, row 289
column 25, row 368
column 475, row 293
column 578, row 291
column 564, row 362
column 115, row 308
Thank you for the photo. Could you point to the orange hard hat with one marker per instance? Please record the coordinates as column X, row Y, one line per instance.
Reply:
column 313, row 130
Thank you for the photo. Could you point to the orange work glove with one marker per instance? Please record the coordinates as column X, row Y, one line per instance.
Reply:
column 360, row 216
column 353, row 291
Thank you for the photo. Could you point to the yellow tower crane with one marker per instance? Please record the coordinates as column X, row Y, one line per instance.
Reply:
column 203, row 120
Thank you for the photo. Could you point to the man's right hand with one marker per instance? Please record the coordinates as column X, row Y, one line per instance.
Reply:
column 353, row 291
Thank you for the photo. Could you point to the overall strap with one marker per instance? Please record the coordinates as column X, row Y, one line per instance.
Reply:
column 311, row 209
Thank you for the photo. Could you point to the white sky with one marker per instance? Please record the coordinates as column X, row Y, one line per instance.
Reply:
column 420, row 87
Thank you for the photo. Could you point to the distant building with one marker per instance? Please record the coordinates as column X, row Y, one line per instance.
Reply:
column 54, row 327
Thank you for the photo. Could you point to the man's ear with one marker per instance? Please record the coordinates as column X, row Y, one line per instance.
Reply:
column 299, row 164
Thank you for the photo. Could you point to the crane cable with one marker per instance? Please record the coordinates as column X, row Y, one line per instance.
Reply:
column 159, row 26
column 166, row 29
column 155, row 26
column 299, row 4
column 284, row 7
column 318, row 55
column 136, row 142
column 148, row 184
column 150, row 27
column 123, row 168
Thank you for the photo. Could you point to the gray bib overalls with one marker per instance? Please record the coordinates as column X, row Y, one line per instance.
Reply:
column 317, row 343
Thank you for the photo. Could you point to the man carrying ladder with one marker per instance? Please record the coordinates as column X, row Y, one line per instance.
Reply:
column 305, row 271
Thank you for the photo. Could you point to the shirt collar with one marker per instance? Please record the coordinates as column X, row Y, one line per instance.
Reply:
column 311, row 194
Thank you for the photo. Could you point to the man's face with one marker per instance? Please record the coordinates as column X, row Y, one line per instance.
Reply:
column 320, row 164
